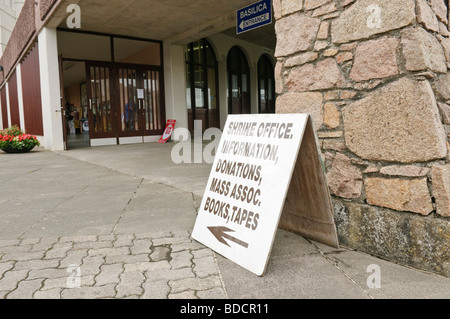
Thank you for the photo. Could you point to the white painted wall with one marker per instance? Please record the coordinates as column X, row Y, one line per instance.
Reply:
column 8, row 105
column 20, row 96
column 50, row 90
column 175, row 84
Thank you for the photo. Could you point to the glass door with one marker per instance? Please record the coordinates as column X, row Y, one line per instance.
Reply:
column 238, row 82
column 130, row 107
column 153, row 113
column 102, row 115
column 266, row 89
column 140, row 101
column 125, row 100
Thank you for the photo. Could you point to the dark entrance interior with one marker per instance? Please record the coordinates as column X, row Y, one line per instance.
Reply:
column 238, row 82
column 124, row 100
column 202, row 85
column 113, row 88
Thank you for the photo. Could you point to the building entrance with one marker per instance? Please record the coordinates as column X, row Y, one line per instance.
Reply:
column 125, row 100
column 113, row 88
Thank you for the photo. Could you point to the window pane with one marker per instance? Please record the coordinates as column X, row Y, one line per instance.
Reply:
column 199, row 76
column 198, row 54
column 188, row 86
column 199, row 98
column 137, row 52
column 262, row 88
column 234, row 86
column 81, row 46
column 212, row 96
column 244, row 83
column 210, row 57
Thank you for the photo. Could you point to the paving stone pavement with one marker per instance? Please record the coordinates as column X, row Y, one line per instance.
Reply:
column 109, row 266
column 115, row 222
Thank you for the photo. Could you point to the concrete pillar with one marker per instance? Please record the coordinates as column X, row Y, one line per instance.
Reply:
column 20, row 96
column 223, row 90
column 50, row 90
column 254, row 87
column 8, row 104
column 175, row 84
column 1, row 116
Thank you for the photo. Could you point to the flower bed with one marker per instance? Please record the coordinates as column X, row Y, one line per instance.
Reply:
column 14, row 140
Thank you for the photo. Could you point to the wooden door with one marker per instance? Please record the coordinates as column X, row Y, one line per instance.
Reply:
column 102, row 110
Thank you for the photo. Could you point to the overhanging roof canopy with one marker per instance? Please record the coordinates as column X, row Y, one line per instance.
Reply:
column 179, row 21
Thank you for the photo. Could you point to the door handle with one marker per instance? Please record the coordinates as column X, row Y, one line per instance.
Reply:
column 90, row 104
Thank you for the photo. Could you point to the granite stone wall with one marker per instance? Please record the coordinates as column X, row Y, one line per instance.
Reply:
column 375, row 77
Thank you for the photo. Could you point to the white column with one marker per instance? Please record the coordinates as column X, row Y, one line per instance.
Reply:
column 50, row 90
column 254, row 88
column 1, row 116
column 175, row 84
column 223, row 89
column 20, row 96
column 8, row 104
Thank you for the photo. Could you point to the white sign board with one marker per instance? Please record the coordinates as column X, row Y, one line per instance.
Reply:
column 140, row 94
column 248, row 185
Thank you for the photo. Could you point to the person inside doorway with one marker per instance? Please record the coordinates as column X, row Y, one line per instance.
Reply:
column 76, row 123
column 130, row 111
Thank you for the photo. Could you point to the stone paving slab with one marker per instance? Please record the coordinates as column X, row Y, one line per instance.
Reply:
column 166, row 265
column 115, row 222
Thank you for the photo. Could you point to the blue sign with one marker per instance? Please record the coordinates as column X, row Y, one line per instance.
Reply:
column 254, row 16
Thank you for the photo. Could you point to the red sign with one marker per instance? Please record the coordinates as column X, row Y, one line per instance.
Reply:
column 168, row 132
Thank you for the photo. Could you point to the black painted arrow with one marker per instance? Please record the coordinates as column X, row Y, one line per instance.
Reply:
column 221, row 234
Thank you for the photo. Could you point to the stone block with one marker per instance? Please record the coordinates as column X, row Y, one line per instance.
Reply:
column 443, row 30
column 446, row 45
column 394, row 236
column 426, row 16
column 308, row 103
column 279, row 78
column 441, row 189
column 321, row 76
column 290, row 6
column 399, row 194
column 375, row 60
column 422, row 51
column 332, row 116
column 439, row 9
column 407, row 171
column 344, row 57
column 345, row 179
column 301, row 59
column 442, row 86
column 323, row 30
column 376, row 129
column 295, row 33
column 445, row 112
column 326, row 9
column 312, row 4
column 366, row 18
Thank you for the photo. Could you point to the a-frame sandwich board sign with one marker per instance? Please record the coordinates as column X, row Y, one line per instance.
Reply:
column 267, row 174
